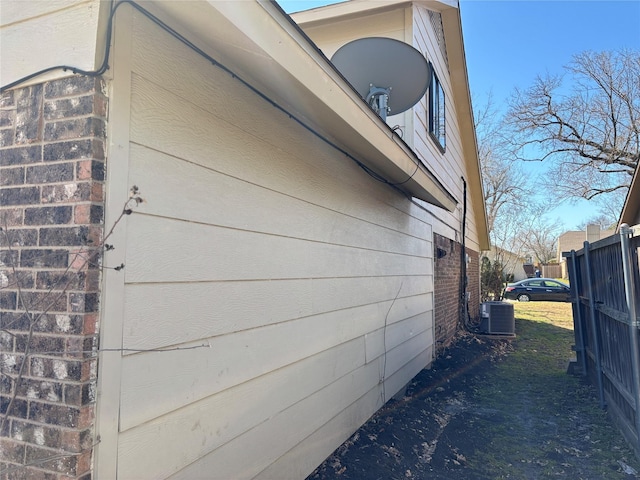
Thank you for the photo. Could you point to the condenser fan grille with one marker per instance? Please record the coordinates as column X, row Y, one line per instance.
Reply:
column 497, row 318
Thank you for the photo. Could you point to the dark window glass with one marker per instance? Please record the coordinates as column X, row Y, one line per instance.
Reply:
column 437, row 111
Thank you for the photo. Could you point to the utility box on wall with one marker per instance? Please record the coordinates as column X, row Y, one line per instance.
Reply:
column 497, row 318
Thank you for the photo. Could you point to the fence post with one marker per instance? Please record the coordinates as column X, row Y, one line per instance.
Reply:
column 594, row 326
column 577, row 314
column 630, row 293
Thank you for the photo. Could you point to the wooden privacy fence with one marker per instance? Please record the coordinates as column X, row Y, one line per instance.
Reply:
column 552, row 271
column 604, row 279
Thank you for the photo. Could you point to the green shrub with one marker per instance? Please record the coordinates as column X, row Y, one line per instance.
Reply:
column 492, row 279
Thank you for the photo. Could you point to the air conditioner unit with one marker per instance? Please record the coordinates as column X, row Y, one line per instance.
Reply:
column 497, row 318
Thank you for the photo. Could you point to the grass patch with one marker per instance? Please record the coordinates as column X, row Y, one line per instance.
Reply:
column 538, row 421
column 557, row 314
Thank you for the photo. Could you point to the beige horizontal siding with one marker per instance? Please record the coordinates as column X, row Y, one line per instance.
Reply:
column 201, row 432
column 66, row 33
column 247, row 455
column 449, row 167
column 225, row 307
column 296, row 289
column 236, row 358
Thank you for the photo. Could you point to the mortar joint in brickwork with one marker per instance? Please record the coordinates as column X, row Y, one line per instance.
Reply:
column 52, row 167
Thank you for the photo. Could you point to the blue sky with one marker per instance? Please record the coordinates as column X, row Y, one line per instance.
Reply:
column 508, row 43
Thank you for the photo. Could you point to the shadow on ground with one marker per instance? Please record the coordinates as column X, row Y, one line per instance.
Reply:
column 490, row 409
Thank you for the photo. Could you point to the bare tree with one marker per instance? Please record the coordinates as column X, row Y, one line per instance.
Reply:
column 540, row 235
column 602, row 220
column 510, row 234
column 591, row 130
column 504, row 182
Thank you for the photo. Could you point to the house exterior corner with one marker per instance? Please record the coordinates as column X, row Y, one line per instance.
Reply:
column 206, row 257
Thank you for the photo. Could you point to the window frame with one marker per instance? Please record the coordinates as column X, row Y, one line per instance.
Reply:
column 437, row 119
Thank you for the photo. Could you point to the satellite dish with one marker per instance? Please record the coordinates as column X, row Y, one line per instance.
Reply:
column 390, row 75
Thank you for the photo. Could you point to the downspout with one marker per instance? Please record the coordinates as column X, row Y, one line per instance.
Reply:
column 463, row 257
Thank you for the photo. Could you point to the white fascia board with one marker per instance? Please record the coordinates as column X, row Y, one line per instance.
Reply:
column 260, row 43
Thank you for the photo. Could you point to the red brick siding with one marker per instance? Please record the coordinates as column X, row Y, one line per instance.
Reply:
column 447, row 288
column 52, row 139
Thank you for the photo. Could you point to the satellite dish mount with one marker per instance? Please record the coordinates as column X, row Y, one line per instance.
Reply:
column 378, row 99
column 391, row 76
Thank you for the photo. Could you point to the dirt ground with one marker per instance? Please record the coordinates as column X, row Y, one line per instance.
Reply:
column 478, row 414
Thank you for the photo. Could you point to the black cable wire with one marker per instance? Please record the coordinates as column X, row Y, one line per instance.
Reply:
column 89, row 73
column 105, row 66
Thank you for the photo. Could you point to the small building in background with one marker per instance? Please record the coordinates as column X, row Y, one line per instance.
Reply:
column 513, row 264
column 574, row 240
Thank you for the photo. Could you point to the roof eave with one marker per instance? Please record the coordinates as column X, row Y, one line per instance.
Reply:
column 277, row 58
column 631, row 208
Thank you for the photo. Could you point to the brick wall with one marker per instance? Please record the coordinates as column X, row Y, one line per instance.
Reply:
column 447, row 285
column 446, row 288
column 52, row 139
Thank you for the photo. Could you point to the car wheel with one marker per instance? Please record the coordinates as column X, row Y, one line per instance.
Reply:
column 523, row 297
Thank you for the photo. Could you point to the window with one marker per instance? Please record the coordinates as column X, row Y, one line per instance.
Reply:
column 437, row 110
